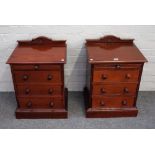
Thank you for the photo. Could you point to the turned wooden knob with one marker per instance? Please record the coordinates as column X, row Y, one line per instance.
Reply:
column 128, row 76
column 124, row 102
column 126, row 90
column 27, row 90
column 51, row 104
column 36, row 67
column 49, row 77
column 50, row 91
column 29, row 104
column 117, row 66
column 103, row 90
column 25, row 77
column 102, row 103
column 104, row 77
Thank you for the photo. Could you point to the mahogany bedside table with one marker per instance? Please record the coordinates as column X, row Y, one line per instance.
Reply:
column 37, row 68
column 113, row 77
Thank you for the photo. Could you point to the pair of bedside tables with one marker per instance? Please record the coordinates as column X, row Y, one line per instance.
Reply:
column 114, row 71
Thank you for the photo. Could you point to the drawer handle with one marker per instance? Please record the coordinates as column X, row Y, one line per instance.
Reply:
column 128, row 76
column 126, row 90
column 104, row 77
column 117, row 66
column 51, row 104
column 124, row 102
column 103, row 90
column 49, row 77
column 25, row 77
column 50, row 91
column 102, row 103
column 29, row 104
column 27, row 91
column 36, row 67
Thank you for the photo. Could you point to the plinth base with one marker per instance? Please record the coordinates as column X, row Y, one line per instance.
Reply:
column 40, row 113
column 106, row 113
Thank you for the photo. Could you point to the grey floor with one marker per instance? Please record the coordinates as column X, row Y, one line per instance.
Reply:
column 76, row 118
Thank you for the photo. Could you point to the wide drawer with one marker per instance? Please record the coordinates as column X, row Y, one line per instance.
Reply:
column 41, row 102
column 37, row 76
column 38, row 89
column 126, row 89
column 112, row 102
column 116, row 75
column 36, row 67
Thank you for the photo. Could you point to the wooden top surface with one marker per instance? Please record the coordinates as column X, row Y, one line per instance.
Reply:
column 39, row 50
column 111, row 49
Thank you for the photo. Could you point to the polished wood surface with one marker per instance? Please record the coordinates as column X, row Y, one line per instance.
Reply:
column 114, row 72
column 36, row 67
column 39, row 90
column 116, row 89
column 111, row 49
column 112, row 102
column 115, row 75
column 41, row 102
column 39, row 51
column 38, row 74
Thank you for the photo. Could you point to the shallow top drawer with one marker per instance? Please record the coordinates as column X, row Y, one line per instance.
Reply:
column 36, row 67
column 117, row 66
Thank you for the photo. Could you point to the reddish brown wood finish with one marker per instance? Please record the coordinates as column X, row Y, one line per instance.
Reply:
column 113, row 50
column 114, row 73
column 112, row 102
column 41, row 102
column 39, row 90
column 116, row 89
column 39, row 51
column 38, row 77
column 37, row 68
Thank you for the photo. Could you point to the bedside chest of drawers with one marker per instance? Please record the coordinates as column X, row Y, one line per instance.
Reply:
column 113, row 77
column 37, row 68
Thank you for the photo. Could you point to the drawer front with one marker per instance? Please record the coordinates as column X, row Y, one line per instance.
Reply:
column 36, row 67
column 34, row 89
column 42, row 102
column 37, row 76
column 116, row 75
column 114, row 89
column 117, row 66
column 112, row 102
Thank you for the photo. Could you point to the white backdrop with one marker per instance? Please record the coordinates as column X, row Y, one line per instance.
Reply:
column 75, row 69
